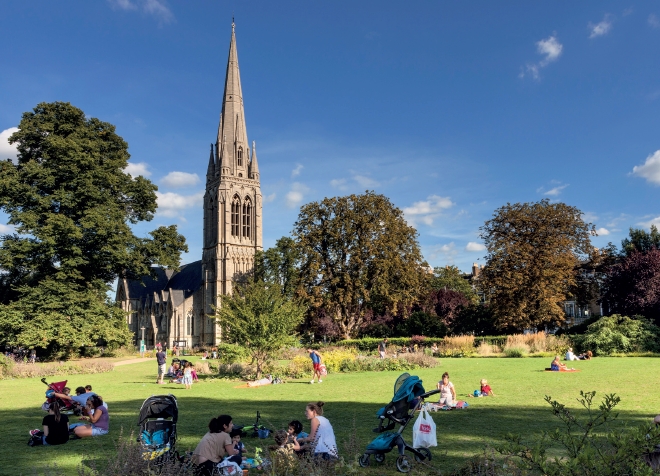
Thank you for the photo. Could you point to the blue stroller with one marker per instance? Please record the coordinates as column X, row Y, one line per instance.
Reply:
column 408, row 397
column 158, row 418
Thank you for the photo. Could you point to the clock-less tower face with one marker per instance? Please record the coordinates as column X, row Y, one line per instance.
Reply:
column 232, row 202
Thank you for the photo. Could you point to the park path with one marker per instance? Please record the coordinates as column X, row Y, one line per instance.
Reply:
column 133, row 361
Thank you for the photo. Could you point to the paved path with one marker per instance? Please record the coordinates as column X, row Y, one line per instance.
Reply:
column 133, row 361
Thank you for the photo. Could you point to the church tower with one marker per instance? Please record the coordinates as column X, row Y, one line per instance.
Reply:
column 232, row 202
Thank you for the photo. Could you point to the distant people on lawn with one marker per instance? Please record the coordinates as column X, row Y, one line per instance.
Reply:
column 557, row 366
column 382, row 347
column 447, row 391
column 586, row 356
column 570, row 355
column 161, row 361
column 316, row 364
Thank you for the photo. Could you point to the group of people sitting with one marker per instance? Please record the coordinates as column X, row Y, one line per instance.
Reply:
column 448, row 392
column 222, row 441
column 558, row 366
column 56, row 427
column 182, row 371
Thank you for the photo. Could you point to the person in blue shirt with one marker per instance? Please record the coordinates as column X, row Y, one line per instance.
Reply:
column 316, row 363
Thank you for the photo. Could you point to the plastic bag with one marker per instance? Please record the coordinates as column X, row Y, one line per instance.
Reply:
column 323, row 370
column 229, row 468
column 424, row 430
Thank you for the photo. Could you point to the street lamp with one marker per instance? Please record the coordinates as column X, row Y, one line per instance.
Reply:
column 142, row 346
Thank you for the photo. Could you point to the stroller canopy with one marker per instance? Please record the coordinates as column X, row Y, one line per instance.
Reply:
column 409, row 387
column 159, row 406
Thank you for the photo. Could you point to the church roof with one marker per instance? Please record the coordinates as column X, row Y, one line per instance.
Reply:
column 182, row 283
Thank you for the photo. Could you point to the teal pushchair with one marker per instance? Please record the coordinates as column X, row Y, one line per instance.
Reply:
column 409, row 394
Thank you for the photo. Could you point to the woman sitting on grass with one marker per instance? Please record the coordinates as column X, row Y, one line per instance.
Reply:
column 447, row 392
column 557, row 366
column 215, row 445
column 322, row 436
column 56, row 427
column 97, row 415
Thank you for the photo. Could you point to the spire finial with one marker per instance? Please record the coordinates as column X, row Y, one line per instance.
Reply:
column 233, row 25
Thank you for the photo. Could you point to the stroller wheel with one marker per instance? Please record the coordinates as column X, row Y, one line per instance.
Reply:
column 364, row 460
column 379, row 457
column 426, row 455
column 403, row 464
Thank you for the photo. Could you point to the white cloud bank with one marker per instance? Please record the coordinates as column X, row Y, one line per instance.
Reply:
column 296, row 195
column 551, row 49
column 7, row 150
column 156, row 8
column 602, row 28
column 650, row 170
column 140, row 168
column 172, row 204
column 603, row 231
column 180, row 179
column 6, row 229
column 472, row 246
column 426, row 211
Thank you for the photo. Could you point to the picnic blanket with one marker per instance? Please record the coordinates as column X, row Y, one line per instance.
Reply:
column 567, row 370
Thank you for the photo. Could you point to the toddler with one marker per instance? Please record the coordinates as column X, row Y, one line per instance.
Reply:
column 238, row 444
column 187, row 376
column 485, row 391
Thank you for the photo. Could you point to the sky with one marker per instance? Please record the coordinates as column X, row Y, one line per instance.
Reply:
column 450, row 109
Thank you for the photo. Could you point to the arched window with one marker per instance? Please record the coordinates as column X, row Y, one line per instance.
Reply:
column 235, row 216
column 247, row 218
column 239, row 156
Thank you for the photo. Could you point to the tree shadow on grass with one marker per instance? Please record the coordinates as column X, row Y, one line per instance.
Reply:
column 461, row 433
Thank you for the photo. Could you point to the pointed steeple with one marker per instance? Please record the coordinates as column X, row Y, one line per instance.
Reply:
column 210, row 171
column 232, row 121
column 254, row 166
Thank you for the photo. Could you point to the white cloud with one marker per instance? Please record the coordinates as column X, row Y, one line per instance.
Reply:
column 365, row 182
column 156, row 8
column 180, row 179
column 426, row 211
column 654, row 21
column 296, row 195
column 6, row 229
column 654, row 221
column 141, row 168
column 551, row 49
column 553, row 192
column 447, row 253
column 589, row 217
column 472, row 246
column 171, row 204
column 602, row 28
column 339, row 183
column 269, row 198
column 7, row 150
column 295, row 172
column 650, row 170
column 603, row 231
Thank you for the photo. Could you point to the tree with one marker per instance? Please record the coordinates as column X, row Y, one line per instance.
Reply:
column 446, row 304
column 632, row 286
column 451, row 278
column 533, row 250
column 72, row 204
column 260, row 318
column 357, row 254
column 279, row 265
column 640, row 241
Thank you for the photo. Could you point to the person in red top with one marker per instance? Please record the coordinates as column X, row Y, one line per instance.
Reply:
column 486, row 391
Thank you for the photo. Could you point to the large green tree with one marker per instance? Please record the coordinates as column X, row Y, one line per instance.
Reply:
column 280, row 265
column 357, row 254
column 533, row 252
column 72, row 205
column 451, row 278
column 260, row 318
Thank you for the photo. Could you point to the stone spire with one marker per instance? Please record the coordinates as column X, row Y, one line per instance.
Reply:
column 210, row 171
column 232, row 132
column 254, row 166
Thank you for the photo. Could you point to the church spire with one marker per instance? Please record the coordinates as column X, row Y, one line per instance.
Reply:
column 232, row 122
column 254, row 166
column 210, row 172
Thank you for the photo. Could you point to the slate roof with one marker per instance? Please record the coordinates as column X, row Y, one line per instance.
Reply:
column 186, row 281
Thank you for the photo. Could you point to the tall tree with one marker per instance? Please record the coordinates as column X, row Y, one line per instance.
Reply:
column 72, row 204
column 279, row 264
column 641, row 241
column 357, row 254
column 533, row 250
column 451, row 278
column 259, row 317
column 632, row 286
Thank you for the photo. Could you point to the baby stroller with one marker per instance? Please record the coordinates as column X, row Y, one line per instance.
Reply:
column 158, row 417
column 408, row 397
column 66, row 406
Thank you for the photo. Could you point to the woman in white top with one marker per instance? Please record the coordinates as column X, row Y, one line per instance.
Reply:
column 321, row 435
column 447, row 392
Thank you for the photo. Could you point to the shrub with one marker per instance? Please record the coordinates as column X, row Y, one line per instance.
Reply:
column 486, row 350
column 232, row 353
column 516, row 351
column 457, row 346
column 420, row 360
column 6, row 366
column 25, row 370
column 616, row 334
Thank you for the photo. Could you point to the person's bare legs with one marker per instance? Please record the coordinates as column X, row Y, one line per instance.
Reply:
column 83, row 431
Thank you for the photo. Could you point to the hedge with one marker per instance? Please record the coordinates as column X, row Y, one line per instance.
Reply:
column 371, row 343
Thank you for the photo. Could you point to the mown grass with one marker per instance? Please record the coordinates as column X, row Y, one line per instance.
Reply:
column 352, row 399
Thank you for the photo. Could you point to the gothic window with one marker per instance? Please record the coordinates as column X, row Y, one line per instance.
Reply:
column 239, row 156
column 247, row 218
column 235, row 214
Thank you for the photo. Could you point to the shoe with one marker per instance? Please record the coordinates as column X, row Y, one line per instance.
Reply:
column 320, row 380
column 312, row 381
column 34, row 432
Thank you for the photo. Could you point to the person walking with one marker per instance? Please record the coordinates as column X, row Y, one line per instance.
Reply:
column 161, row 360
column 316, row 363
column 382, row 347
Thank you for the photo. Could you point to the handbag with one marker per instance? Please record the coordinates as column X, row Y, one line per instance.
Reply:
column 424, row 430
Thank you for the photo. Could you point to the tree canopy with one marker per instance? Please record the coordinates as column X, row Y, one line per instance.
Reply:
column 451, row 278
column 533, row 250
column 358, row 254
column 260, row 318
column 641, row 241
column 279, row 265
column 72, row 204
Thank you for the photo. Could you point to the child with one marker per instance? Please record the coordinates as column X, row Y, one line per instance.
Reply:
column 447, row 392
column 485, row 391
column 295, row 431
column 187, row 376
column 283, row 453
column 238, row 444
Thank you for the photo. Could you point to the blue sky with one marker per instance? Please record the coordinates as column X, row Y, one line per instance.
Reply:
column 451, row 109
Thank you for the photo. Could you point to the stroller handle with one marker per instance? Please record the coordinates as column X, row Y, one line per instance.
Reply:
column 428, row 394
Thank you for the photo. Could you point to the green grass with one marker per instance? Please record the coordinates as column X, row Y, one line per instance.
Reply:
column 520, row 385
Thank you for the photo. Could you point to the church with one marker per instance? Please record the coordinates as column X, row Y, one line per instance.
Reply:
column 174, row 306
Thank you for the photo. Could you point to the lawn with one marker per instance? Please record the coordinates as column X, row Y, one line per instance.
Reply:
column 352, row 400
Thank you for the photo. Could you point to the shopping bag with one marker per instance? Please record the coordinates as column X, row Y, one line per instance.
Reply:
column 323, row 370
column 229, row 468
column 424, row 430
